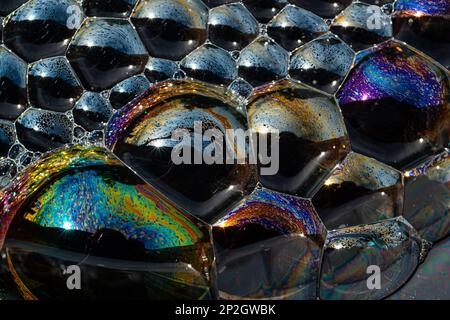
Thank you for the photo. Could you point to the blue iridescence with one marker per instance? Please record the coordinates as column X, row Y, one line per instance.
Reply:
column 395, row 71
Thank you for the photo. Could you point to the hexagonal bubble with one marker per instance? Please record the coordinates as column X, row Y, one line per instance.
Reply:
column 211, row 64
column 127, row 90
column 8, row 6
column 42, row 28
column 8, row 171
column 158, row 136
column 263, row 61
column 362, row 25
column 294, row 26
column 322, row 63
column 323, row 8
column 264, row 10
column 427, row 197
column 395, row 105
column 109, row 8
column 160, row 69
column 92, row 111
column 13, row 88
column 278, row 235
column 304, row 128
column 40, row 130
column 424, row 25
column 52, row 85
column 241, row 87
column 106, row 51
column 391, row 248
column 361, row 190
column 232, row 27
column 129, row 241
column 7, row 137
column 16, row 151
column 171, row 29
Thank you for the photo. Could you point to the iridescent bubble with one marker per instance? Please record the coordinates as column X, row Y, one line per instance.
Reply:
column 361, row 190
column 263, row 61
column 42, row 28
column 264, row 10
column 353, row 255
column 396, row 105
column 158, row 136
column 106, row 51
column 52, row 85
column 13, row 88
column 323, row 8
column 424, row 25
column 322, row 63
column 269, row 246
column 211, row 64
column 40, row 130
column 92, row 111
column 311, row 131
column 127, row 90
column 8, row 171
column 171, row 29
column 427, row 197
column 232, row 27
column 294, row 26
column 109, row 8
column 160, row 69
column 81, row 206
column 362, row 25
column 7, row 137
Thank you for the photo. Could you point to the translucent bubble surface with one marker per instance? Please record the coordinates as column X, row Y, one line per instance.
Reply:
column 294, row 26
column 52, row 85
column 109, row 8
column 322, row 63
column 142, row 135
column 106, row 51
column 8, row 170
column 7, row 137
column 427, row 197
column 92, row 111
column 362, row 25
column 232, row 27
column 211, row 64
column 353, row 255
column 263, row 61
column 42, row 28
column 127, row 90
column 269, row 247
column 264, row 10
column 361, row 190
column 424, row 25
column 171, row 29
column 160, row 69
column 396, row 105
column 81, row 206
column 312, row 135
column 40, row 130
column 323, row 8
column 13, row 90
